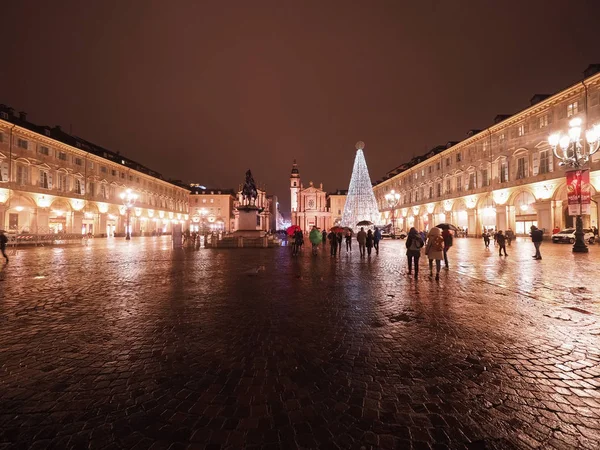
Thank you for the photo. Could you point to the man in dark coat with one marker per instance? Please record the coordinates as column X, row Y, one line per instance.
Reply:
column 537, row 236
column 501, row 241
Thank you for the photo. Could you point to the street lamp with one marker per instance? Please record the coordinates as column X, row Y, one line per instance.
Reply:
column 573, row 152
column 128, row 198
column 392, row 198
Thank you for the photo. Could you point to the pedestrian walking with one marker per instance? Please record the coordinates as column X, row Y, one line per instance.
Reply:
column 369, row 242
column 332, row 243
column 340, row 239
column 324, row 238
column 447, row 235
column 3, row 242
column 297, row 245
column 315, row 237
column 414, row 243
column 501, row 240
column 361, row 238
column 486, row 238
column 510, row 235
column 537, row 236
column 376, row 239
column 435, row 251
column 348, row 241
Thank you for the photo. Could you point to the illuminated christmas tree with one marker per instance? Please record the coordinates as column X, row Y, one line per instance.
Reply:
column 360, row 202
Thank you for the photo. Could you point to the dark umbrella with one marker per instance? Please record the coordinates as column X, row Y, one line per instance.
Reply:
column 364, row 223
column 447, row 226
column 337, row 229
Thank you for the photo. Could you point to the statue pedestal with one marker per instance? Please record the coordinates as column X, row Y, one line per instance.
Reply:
column 248, row 222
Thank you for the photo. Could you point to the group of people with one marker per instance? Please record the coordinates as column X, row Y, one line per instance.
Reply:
column 500, row 239
column 437, row 244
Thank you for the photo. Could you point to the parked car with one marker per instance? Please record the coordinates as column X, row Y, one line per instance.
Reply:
column 568, row 236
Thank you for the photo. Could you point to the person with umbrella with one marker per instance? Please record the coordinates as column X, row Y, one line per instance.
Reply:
column 315, row 238
column 324, row 238
column 333, row 242
column 435, row 251
column 448, row 240
column 369, row 242
column 298, row 241
column 361, row 237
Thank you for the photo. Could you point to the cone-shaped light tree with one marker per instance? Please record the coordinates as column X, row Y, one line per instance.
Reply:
column 360, row 202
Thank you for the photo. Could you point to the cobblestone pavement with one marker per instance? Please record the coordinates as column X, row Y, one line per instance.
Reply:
column 134, row 345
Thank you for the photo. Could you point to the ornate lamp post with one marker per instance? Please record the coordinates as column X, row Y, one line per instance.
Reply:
column 573, row 152
column 128, row 198
column 392, row 198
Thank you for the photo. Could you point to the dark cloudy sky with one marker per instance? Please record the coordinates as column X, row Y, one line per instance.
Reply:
column 202, row 91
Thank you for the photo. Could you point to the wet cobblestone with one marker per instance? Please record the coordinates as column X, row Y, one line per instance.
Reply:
column 134, row 345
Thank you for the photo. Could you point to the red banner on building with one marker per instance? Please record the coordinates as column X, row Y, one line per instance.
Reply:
column 579, row 192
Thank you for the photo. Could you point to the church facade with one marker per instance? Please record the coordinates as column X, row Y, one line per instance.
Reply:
column 311, row 205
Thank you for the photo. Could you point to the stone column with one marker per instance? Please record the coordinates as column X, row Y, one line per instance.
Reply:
column 557, row 214
column 473, row 222
column 544, row 216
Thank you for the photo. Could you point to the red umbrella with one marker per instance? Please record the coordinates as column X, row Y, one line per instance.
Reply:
column 337, row 229
column 291, row 230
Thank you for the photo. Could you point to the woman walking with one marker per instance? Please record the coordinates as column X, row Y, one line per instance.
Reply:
column 414, row 243
column 369, row 242
column 435, row 251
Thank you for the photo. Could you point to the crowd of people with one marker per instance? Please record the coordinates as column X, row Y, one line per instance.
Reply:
column 434, row 244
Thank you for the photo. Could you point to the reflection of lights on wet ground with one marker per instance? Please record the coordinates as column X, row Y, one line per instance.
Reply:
column 39, row 277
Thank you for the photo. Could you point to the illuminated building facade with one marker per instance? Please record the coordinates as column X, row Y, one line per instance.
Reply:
column 211, row 210
column 53, row 182
column 312, row 206
column 503, row 177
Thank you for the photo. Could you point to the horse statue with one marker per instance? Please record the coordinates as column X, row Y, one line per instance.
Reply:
column 249, row 192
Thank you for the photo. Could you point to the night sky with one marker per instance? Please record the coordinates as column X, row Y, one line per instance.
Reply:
column 202, row 91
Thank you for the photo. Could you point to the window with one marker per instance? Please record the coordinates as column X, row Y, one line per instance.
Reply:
column 113, row 172
column 90, row 165
column 448, row 186
column 594, row 100
column 78, row 186
column 423, row 172
column 62, row 156
column 503, row 169
column 439, row 189
column 447, row 162
column 438, row 165
column 212, row 200
column 543, row 121
column 458, row 184
column 544, row 161
column 1, row 137
column 104, row 192
column 521, row 130
column 22, row 143
column 572, row 109
column 485, row 146
column 416, row 175
column 130, row 177
column 431, row 191
column 294, row 184
column 501, row 137
column 521, row 168
column 458, row 157
column 43, row 150
column 472, row 181
column 122, row 175
column 22, row 174
column 430, row 169
column 43, row 179
column 485, row 181
column 77, row 161
column 92, row 189
column 422, row 193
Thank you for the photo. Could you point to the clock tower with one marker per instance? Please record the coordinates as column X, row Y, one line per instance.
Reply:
column 295, row 189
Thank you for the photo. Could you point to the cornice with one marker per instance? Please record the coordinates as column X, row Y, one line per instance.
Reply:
column 545, row 104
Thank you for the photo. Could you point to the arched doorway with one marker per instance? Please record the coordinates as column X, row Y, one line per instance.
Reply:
column 525, row 213
column 487, row 213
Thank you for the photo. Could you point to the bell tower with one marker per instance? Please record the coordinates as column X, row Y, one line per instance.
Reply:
column 294, row 188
